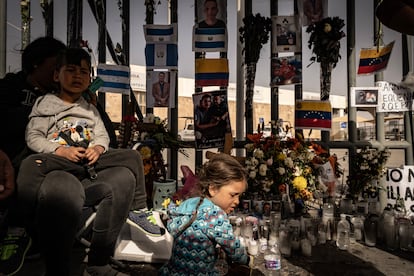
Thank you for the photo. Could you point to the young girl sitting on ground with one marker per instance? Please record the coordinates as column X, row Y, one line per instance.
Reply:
column 200, row 223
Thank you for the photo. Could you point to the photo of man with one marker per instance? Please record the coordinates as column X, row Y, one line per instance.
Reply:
column 286, row 70
column 312, row 11
column 161, row 91
column 160, row 88
column 211, row 118
column 287, row 38
column 364, row 96
column 211, row 13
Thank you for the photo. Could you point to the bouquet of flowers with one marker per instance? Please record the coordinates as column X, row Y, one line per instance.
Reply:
column 368, row 167
column 324, row 39
column 153, row 136
column 289, row 167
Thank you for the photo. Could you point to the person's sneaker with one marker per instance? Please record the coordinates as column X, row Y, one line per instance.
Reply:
column 13, row 249
column 145, row 221
column 104, row 270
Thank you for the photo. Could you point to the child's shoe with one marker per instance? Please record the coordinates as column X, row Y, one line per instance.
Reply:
column 145, row 221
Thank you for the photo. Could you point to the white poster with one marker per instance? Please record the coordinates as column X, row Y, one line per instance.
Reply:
column 393, row 98
column 400, row 182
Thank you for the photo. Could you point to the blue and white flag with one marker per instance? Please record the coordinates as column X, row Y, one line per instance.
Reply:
column 160, row 33
column 209, row 39
column 161, row 56
column 116, row 78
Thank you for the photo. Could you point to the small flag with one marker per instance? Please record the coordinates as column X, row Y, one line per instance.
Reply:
column 161, row 33
column 161, row 56
column 313, row 114
column 116, row 78
column 209, row 39
column 211, row 72
column 374, row 59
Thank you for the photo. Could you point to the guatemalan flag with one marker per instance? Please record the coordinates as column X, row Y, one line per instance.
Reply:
column 211, row 72
column 161, row 56
column 116, row 78
column 313, row 115
column 374, row 59
column 209, row 39
column 161, row 51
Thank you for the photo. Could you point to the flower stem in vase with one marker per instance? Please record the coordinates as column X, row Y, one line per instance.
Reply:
column 325, row 78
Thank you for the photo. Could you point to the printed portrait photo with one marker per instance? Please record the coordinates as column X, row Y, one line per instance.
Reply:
column 287, row 38
column 160, row 89
column 286, row 70
column 364, row 96
column 212, row 13
column 211, row 118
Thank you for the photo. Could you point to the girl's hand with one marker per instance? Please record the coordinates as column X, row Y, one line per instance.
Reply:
column 74, row 154
column 93, row 153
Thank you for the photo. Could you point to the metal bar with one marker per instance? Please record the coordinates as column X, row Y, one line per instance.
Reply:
column 3, row 35
column 173, row 116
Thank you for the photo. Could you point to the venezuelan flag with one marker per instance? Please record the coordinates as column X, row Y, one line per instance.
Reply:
column 374, row 59
column 313, row 114
column 211, row 72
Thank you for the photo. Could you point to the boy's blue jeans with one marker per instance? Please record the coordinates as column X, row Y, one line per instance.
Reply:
column 54, row 191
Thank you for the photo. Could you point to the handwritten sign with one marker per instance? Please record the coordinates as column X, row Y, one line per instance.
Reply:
column 400, row 183
column 393, row 98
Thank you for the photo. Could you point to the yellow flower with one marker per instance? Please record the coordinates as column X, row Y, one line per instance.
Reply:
column 166, row 202
column 145, row 152
column 281, row 157
column 178, row 202
column 300, row 183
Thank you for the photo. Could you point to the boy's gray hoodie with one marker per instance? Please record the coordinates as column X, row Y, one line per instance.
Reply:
column 50, row 116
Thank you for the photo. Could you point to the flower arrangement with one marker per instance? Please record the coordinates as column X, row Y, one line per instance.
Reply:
column 153, row 136
column 291, row 167
column 324, row 39
column 366, row 169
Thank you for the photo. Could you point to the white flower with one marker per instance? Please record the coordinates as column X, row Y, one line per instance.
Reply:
column 149, row 118
column 252, row 174
column 298, row 171
column 249, row 147
column 289, row 162
column 254, row 161
column 258, row 153
column 281, row 170
column 263, row 169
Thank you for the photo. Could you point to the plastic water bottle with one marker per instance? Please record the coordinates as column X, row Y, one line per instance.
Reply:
column 272, row 257
column 342, row 234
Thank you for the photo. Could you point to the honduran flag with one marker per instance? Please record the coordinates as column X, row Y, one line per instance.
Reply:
column 313, row 114
column 374, row 59
column 116, row 78
column 161, row 56
column 161, row 33
column 211, row 72
column 209, row 39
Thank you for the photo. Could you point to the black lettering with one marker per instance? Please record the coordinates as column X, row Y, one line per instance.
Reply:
column 408, row 194
column 410, row 174
column 395, row 175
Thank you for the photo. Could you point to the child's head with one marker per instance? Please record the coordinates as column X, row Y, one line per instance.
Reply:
column 223, row 179
column 73, row 56
column 73, row 70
